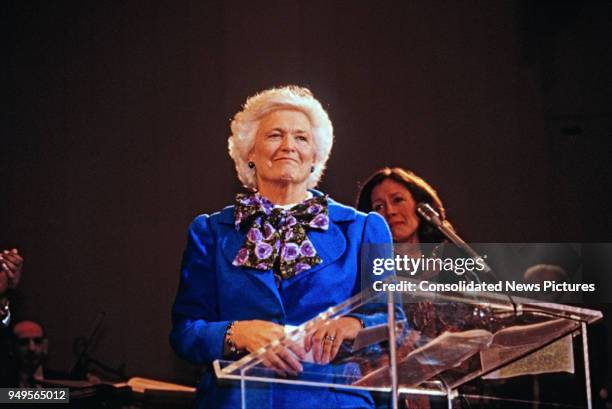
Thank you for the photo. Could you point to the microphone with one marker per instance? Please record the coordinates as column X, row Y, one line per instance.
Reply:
column 430, row 215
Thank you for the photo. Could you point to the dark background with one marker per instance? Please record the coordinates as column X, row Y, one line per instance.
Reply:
column 114, row 133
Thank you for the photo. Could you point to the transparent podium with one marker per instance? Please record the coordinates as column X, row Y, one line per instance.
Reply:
column 424, row 345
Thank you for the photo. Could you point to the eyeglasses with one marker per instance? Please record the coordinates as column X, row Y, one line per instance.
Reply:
column 26, row 341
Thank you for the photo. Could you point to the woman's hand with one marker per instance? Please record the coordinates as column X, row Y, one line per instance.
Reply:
column 11, row 263
column 253, row 335
column 326, row 340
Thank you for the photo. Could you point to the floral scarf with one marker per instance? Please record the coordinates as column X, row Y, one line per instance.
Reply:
column 277, row 237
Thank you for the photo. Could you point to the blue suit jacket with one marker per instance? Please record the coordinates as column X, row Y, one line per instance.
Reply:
column 213, row 293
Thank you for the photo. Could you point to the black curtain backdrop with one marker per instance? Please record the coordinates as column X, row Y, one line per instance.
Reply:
column 114, row 133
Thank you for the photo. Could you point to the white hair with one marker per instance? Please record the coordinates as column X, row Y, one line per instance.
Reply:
column 245, row 123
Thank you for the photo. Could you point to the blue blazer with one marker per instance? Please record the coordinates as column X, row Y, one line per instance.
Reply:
column 212, row 293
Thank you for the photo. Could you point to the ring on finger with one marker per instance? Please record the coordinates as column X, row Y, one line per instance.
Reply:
column 329, row 338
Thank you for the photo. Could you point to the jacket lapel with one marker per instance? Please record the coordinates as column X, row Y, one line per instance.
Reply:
column 233, row 241
column 330, row 244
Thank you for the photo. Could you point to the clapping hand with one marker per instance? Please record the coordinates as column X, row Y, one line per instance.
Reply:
column 11, row 263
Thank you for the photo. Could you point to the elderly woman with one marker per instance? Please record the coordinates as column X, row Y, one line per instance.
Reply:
column 279, row 256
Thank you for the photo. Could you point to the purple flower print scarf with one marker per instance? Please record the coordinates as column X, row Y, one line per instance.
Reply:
column 277, row 237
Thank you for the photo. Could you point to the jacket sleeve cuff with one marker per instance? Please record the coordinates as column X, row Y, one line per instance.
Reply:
column 199, row 341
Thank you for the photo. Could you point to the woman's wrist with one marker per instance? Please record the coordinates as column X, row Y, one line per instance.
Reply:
column 230, row 342
column 353, row 326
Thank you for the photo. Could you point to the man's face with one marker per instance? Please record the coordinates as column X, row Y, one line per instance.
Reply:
column 30, row 344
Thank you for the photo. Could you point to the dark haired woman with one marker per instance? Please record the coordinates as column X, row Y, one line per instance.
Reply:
column 395, row 193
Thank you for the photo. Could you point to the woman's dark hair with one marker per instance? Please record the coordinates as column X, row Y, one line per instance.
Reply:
column 420, row 190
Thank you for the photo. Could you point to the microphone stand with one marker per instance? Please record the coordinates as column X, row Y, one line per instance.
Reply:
column 82, row 347
column 430, row 215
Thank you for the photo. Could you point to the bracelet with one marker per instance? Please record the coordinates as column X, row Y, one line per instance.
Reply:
column 5, row 312
column 230, row 341
column 4, row 306
column 361, row 322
